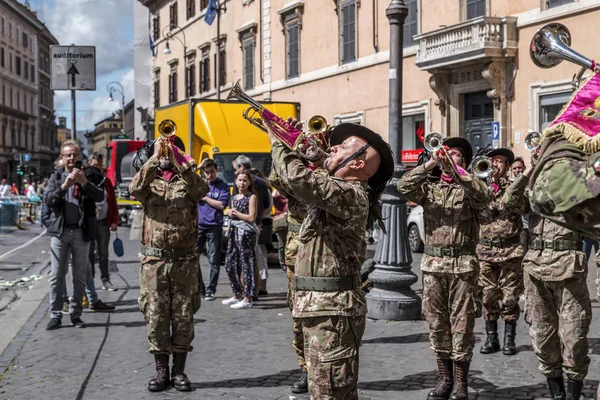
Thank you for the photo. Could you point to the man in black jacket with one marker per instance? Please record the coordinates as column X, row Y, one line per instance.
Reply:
column 71, row 200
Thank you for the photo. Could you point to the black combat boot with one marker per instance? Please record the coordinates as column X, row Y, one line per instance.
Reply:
column 574, row 389
column 492, row 344
column 180, row 379
column 161, row 382
column 301, row 385
column 445, row 381
column 461, row 386
column 510, row 331
column 557, row 388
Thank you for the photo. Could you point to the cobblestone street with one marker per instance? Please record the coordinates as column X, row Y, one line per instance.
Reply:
column 242, row 354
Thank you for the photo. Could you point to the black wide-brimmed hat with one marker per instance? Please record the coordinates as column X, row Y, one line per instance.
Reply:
column 510, row 156
column 342, row 132
column 464, row 146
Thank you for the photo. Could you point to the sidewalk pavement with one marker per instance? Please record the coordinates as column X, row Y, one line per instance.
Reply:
column 243, row 354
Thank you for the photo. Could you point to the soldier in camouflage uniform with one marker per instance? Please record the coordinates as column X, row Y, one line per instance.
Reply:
column 557, row 303
column 327, row 296
column 449, row 265
column 169, row 191
column 500, row 254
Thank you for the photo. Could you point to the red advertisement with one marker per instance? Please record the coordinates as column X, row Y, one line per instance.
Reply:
column 411, row 156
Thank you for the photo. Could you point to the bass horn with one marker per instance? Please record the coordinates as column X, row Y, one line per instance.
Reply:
column 550, row 46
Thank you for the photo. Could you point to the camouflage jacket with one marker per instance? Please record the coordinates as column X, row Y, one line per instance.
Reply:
column 497, row 221
column 296, row 208
column 449, row 216
column 332, row 234
column 170, row 209
column 547, row 264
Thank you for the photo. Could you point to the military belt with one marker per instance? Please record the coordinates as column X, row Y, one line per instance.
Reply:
column 556, row 244
column 327, row 284
column 293, row 227
column 447, row 251
column 500, row 242
column 180, row 252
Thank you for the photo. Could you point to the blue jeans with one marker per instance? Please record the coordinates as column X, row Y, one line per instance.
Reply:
column 70, row 241
column 102, row 239
column 90, row 287
column 212, row 237
column 588, row 244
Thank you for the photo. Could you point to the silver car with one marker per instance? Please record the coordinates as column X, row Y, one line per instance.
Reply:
column 416, row 232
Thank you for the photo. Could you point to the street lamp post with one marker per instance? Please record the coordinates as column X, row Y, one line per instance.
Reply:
column 117, row 87
column 392, row 297
column 168, row 35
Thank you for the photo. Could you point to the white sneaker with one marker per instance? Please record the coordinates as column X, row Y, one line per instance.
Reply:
column 233, row 300
column 241, row 304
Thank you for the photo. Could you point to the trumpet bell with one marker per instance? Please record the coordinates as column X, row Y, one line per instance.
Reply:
column 167, row 128
column 317, row 124
column 433, row 142
column 532, row 141
column 482, row 166
column 549, row 45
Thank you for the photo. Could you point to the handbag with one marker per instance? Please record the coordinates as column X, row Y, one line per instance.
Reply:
column 118, row 246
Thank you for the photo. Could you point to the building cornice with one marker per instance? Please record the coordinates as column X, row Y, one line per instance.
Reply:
column 537, row 16
column 24, row 13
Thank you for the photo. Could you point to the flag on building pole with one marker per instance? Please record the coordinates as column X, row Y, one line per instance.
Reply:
column 211, row 12
column 152, row 46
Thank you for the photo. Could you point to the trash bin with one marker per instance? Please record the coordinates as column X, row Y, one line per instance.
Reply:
column 9, row 212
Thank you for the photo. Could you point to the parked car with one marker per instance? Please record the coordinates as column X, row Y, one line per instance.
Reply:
column 416, row 231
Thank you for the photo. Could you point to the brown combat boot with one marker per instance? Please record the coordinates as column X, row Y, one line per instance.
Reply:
column 443, row 389
column 161, row 382
column 461, row 387
column 180, row 379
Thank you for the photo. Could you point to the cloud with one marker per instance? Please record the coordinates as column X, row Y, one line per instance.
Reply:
column 106, row 24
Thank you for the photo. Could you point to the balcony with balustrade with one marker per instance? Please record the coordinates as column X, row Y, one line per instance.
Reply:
column 476, row 40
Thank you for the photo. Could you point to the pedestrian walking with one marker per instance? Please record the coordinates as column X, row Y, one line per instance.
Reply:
column 169, row 191
column 500, row 254
column 328, row 298
column 210, row 225
column 241, row 256
column 557, row 303
column 4, row 189
column 450, row 267
column 107, row 213
column 71, row 199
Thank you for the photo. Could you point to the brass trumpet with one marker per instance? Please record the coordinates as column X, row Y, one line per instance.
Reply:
column 433, row 142
column 289, row 135
column 167, row 128
column 532, row 141
column 481, row 166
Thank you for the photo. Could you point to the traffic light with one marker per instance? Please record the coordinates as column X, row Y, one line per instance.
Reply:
column 20, row 169
column 25, row 169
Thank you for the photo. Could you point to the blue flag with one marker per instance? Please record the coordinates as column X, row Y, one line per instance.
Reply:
column 211, row 12
column 152, row 46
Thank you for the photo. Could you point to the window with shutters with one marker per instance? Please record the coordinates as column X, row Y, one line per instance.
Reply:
column 25, row 69
column 18, row 65
column 25, row 40
column 475, row 8
column 348, row 31
column 32, row 73
column 222, row 67
column 173, row 85
column 173, row 15
column 156, row 92
column 2, row 55
column 248, row 47
column 293, row 48
column 3, row 25
column 10, row 62
column 191, row 8
column 156, row 28
column 411, row 24
column 191, row 80
column 204, row 71
column 203, row 4
column 556, row 3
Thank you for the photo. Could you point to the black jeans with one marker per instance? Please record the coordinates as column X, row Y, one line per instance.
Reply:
column 102, row 239
column 212, row 237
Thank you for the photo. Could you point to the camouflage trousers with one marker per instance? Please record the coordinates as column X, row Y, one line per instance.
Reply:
column 331, row 345
column 169, row 298
column 559, row 314
column 298, row 336
column 501, row 282
column 449, row 304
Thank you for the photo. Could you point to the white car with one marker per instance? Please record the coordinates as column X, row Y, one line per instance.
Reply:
column 416, row 232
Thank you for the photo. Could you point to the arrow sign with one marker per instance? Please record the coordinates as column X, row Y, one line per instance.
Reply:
column 72, row 71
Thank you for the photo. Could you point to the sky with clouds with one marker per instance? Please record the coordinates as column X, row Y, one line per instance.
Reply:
column 106, row 24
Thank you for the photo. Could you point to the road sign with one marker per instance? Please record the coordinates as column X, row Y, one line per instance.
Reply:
column 73, row 67
column 121, row 137
column 495, row 135
column 17, row 157
column 26, row 157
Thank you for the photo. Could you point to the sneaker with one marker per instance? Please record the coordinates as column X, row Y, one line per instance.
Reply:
column 85, row 301
column 77, row 323
column 65, row 309
column 54, row 323
column 107, row 285
column 242, row 304
column 209, row 297
column 233, row 300
column 100, row 306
